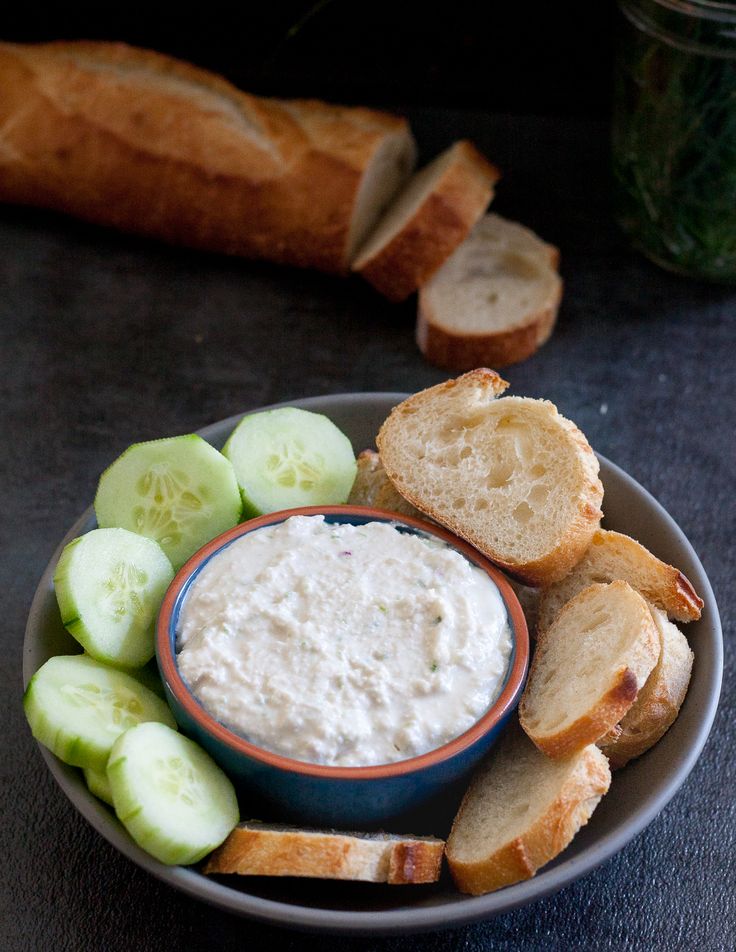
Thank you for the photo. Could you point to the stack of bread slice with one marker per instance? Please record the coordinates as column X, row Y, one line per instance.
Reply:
column 608, row 678
column 659, row 700
column 427, row 222
column 588, row 668
column 610, row 671
column 612, row 555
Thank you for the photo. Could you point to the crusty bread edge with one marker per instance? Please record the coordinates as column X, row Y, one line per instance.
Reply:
column 260, row 851
column 484, row 377
column 617, row 700
column 546, row 838
column 457, row 351
column 442, row 221
column 675, row 593
column 591, row 727
column 656, row 710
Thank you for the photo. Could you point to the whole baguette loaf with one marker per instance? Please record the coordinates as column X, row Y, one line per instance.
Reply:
column 658, row 702
column 521, row 810
column 612, row 555
column 137, row 140
column 510, row 475
column 259, row 849
column 588, row 668
column 428, row 220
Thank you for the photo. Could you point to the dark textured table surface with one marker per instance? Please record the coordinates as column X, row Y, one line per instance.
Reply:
column 106, row 340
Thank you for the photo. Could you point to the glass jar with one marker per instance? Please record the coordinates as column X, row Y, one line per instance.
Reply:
column 674, row 134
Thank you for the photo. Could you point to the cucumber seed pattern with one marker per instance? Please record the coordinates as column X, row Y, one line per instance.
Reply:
column 169, row 504
column 122, row 591
column 177, row 778
column 294, row 465
column 116, row 709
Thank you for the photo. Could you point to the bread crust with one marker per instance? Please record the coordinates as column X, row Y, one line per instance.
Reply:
column 436, row 228
column 449, row 338
column 613, row 555
column 610, row 709
column 625, row 679
column 255, row 849
column 558, row 561
column 139, row 141
column 462, row 351
column 659, row 701
column 520, row 858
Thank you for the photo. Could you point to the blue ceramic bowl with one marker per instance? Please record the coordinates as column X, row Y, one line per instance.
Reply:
column 337, row 796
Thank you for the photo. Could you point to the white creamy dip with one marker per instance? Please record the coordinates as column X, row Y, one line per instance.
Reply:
column 343, row 645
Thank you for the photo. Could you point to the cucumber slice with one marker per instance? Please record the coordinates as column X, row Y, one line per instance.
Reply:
column 179, row 491
column 78, row 708
column 169, row 794
column 287, row 458
column 109, row 585
column 98, row 784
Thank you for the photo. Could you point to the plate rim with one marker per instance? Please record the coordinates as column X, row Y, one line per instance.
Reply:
column 383, row 921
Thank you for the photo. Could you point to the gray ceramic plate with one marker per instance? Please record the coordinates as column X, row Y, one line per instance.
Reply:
column 642, row 788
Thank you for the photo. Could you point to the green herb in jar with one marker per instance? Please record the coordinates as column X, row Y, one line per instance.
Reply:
column 674, row 134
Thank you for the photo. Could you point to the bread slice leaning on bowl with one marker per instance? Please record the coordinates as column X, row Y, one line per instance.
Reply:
column 521, row 810
column 510, row 475
column 260, row 849
column 588, row 668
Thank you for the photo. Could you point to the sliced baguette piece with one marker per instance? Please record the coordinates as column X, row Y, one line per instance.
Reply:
column 494, row 302
column 612, row 555
column 372, row 487
column 259, row 849
column 149, row 144
column 428, row 220
column 588, row 668
column 500, row 233
column 658, row 702
column 521, row 810
column 512, row 476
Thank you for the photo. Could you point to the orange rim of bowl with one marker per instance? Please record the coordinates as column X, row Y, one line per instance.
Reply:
column 177, row 686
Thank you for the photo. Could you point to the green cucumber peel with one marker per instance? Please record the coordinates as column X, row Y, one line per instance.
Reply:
column 179, row 491
column 109, row 585
column 287, row 458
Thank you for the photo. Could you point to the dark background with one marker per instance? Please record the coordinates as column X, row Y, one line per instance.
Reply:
column 106, row 339
column 533, row 58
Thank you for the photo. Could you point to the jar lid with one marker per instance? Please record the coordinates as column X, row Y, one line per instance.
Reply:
column 698, row 26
